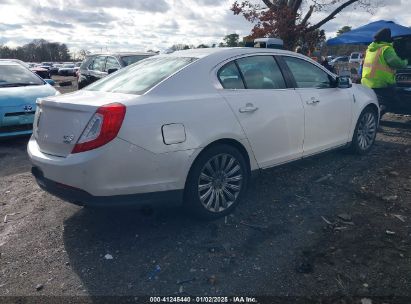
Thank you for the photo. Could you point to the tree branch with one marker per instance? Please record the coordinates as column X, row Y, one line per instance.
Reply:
column 296, row 5
column 268, row 3
column 331, row 16
column 307, row 16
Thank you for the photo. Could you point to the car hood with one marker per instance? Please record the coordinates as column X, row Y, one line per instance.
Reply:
column 18, row 96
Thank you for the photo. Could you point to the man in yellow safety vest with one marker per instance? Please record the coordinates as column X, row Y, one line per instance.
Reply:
column 380, row 63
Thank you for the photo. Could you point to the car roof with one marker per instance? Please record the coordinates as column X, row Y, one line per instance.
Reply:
column 120, row 54
column 8, row 62
column 221, row 53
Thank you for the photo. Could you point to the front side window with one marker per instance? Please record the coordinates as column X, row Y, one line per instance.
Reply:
column 15, row 75
column 112, row 63
column 98, row 63
column 142, row 76
column 230, row 77
column 261, row 72
column 307, row 75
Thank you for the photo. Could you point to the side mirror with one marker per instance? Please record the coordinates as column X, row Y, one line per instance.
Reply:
column 50, row 81
column 112, row 71
column 344, row 82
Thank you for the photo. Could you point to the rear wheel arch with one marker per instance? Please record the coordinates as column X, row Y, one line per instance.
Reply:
column 191, row 199
column 224, row 141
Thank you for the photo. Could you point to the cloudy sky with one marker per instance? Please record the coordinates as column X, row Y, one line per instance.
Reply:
column 149, row 24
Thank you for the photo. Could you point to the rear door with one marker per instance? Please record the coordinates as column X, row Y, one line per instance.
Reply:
column 271, row 114
column 327, row 108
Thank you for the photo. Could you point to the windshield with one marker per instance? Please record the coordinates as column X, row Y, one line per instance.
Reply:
column 16, row 75
column 127, row 60
column 142, row 76
column 68, row 66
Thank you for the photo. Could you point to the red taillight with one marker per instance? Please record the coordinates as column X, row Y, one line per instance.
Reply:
column 102, row 128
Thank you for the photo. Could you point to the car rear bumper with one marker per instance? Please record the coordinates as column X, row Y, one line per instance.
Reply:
column 82, row 198
column 117, row 173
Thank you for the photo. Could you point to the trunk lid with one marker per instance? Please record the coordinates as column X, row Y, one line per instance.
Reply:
column 59, row 121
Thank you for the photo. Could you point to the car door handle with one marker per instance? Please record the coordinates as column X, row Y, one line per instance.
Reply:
column 313, row 100
column 249, row 108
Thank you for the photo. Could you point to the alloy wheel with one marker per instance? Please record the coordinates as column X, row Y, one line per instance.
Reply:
column 220, row 182
column 367, row 130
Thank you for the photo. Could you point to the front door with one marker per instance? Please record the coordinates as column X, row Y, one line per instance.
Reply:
column 271, row 115
column 327, row 108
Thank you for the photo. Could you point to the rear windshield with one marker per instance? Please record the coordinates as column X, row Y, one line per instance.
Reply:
column 127, row 60
column 16, row 75
column 142, row 76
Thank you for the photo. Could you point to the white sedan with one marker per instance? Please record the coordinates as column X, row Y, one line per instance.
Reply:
column 192, row 126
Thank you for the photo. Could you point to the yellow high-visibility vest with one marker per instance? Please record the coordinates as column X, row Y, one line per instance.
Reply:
column 376, row 73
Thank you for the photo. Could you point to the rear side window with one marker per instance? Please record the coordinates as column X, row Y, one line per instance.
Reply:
column 261, row 72
column 111, row 63
column 142, row 76
column 307, row 75
column 230, row 77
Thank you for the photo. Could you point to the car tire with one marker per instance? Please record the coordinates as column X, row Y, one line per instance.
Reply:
column 365, row 131
column 217, row 182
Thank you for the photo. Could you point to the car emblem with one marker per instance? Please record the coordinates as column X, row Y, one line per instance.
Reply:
column 27, row 108
column 67, row 139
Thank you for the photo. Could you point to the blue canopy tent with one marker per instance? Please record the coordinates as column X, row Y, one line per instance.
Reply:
column 365, row 34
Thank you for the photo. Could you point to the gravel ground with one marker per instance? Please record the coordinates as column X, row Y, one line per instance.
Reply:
column 334, row 225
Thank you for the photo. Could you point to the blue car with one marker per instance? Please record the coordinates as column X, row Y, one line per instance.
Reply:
column 19, row 89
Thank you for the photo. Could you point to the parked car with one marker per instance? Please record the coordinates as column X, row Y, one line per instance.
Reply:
column 46, row 65
column 193, row 125
column 339, row 59
column 356, row 57
column 42, row 72
column 19, row 89
column 54, row 70
column 97, row 66
column 67, row 70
